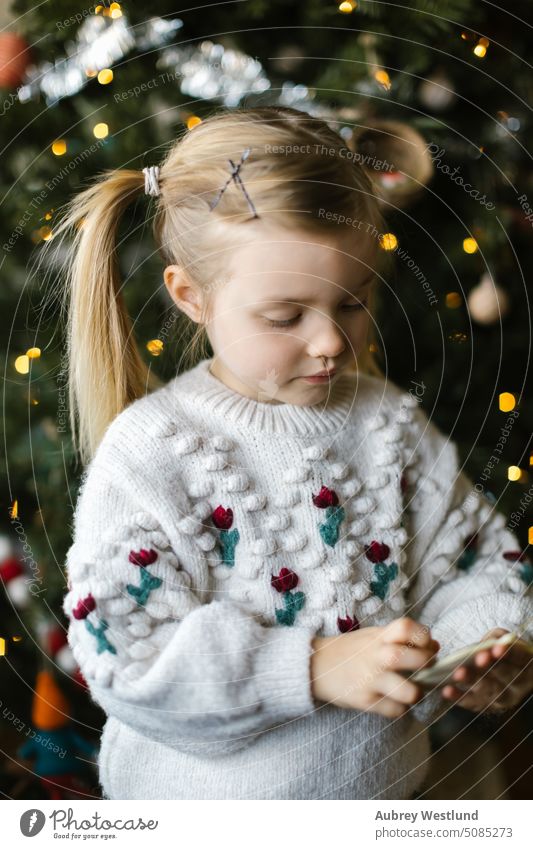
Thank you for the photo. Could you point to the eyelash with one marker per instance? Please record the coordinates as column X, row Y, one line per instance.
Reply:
column 289, row 321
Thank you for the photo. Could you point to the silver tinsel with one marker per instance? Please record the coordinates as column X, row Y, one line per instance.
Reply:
column 207, row 71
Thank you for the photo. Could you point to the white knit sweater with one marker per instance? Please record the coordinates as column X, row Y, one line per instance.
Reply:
column 216, row 535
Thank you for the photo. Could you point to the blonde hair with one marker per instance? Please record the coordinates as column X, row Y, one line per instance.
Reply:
column 106, row 371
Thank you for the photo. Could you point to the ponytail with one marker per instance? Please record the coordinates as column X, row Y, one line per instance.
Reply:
column 106, row 371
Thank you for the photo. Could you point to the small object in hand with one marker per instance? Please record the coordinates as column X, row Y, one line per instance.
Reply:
column 441, row 672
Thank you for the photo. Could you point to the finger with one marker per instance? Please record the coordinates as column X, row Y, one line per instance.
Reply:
column 397, row 656
column 406, row 630
column 395, row 686
column 389, row 707
column 517, row 653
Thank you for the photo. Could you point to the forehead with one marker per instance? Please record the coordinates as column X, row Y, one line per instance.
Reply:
column 303, row 260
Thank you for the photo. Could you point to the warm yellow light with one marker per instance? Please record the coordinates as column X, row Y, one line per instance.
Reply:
column 33, row 353
column 100, row 131
column 453, row 300
column 155, row 346
column 16, row 639
column 98, row 9
column 3, row 647
column 193, row 121
column 90, row 72
column 105, row 76
column 514, row 473
column 45, row 233
column 388, row 241
column 347, row 7
column 507, row 401
column 530, row 536
column 14, row 514
column 116, row 13
column 22, row 364
column 382, row 77
column 59, row 147
column 480, row 50
column 470, row 246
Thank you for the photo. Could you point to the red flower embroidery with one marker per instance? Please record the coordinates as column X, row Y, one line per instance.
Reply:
column 348, row 624
column 84, row 607
column 285, row 581
column 377, row 552
column 143, row 557
column 326, row 498
column 471, row 542
column 514, row 556
column 222, row 518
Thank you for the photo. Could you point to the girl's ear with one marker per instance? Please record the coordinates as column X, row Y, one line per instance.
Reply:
column 183, row 292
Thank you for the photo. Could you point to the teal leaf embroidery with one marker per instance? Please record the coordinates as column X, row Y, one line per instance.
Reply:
column 329, row 530
column 469, row 553
column 103, row 643
column 148, row 583
column 228, row 541
column 384, row 574
column 526, row 573
column 293, row 601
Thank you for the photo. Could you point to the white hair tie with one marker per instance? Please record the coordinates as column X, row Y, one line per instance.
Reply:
column 151, row 180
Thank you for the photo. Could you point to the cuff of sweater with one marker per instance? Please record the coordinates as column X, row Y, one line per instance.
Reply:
column 283, row 672
column 468, row 623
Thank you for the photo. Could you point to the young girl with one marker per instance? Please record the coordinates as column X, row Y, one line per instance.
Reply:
column 266, row 547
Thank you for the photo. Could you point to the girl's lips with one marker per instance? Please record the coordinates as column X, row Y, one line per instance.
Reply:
column 321, row 378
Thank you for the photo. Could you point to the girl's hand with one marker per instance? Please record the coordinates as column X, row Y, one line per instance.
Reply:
column 361, row 669
column 501, row 678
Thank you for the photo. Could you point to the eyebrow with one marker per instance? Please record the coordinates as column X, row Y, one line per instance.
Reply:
column 312, row 300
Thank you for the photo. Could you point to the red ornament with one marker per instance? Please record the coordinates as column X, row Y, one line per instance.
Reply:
column 325, row 498
column 348, row 624
column 143, row 557
column 285, row 581
column 84, row 607
column 14, row 59
column 9, row 569
column 222, row 518
column 377, row 552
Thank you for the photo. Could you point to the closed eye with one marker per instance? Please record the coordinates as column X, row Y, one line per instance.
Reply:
column 288, row 322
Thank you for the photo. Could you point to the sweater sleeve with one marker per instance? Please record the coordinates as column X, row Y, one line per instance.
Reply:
column 467, row 574
column 196, row 673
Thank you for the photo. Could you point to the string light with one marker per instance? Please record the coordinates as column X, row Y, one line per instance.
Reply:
column 514, row 473
column 59, row 147
column 470, row 246
column 100, row 131
column 22, row 364
column 388, row 241
column 33, row 353
column 193, row 121
column 481, row 47
column 453, row 300
column 155, row 346
column 105, row 76
column 347, row 6
column 507, row 402
column 382, row 77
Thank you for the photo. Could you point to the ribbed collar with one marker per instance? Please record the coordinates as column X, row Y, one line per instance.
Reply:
column 199, row 390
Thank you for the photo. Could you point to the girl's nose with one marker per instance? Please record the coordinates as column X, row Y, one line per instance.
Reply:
column 329, row 342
